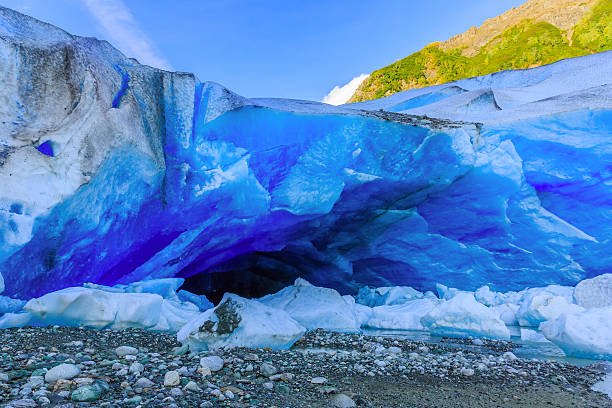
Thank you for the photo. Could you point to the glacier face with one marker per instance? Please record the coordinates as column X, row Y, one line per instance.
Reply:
column 113, row 172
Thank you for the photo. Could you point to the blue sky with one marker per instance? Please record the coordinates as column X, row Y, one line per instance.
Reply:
column 288, row 48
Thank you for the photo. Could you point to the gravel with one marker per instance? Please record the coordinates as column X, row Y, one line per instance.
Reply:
column 131, row 368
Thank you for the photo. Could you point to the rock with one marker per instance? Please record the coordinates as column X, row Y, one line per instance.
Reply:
column 136, row 368
column 509, row 356
column 241, row 322
column 23, row 403
column 267, row 370
column 268, row 385
column 477, row 342
column 342, row 401
column 62, row 372
column 123, row 351
column 172, row 379
column 144, row 383
column 192, row 386
column 318, row 380
column 468, row 372
column 86, row 393
column 214, row 363
column 4, row 377
column 176, row 392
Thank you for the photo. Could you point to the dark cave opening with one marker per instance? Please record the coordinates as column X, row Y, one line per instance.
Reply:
column 243, row 277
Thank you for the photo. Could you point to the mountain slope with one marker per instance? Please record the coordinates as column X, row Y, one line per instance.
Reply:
column 537, row 33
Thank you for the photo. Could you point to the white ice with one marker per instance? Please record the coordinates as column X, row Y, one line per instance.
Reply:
column 241, row 322
column 314, row 307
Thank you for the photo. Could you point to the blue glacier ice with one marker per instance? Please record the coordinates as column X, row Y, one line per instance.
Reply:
column 502, row 180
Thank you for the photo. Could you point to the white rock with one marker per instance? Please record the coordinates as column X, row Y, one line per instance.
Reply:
column 468, row 372
column 585, row 334
column 123, row 351
column 342, row 401
column 172, row 379
column 595, row 292
column 214, row 363
column 144, row 383
column 462, row 315
column 405, row 316
column 243, row 323
column 509, row 356
column 62, row 372
column 318, row 380
column 314, row 307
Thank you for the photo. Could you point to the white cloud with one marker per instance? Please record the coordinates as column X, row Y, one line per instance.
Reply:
column 341, row 94
column 122, row 30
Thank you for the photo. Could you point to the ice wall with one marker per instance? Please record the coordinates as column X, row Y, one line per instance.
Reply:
column 112, row 172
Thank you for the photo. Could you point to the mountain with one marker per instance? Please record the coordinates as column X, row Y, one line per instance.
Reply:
column 537, row 33
column 113, row 172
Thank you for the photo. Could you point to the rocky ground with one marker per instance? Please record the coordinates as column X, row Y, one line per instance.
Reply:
column 67, row 367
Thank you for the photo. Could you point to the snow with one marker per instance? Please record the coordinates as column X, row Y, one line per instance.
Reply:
column 405, row 316
column 586, row 334
column 240, row 322
column 314, row 307
column 463, row 316
column 595, row 292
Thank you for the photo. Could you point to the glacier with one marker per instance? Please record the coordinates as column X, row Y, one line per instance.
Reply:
column 112, row 172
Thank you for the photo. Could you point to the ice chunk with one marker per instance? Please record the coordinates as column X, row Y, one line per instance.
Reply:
column 9, row 305
column 585, row 334
column 595, row 292
column 507, row 313
column 462, row 315
column 405, row 316
column 314, row 307
column 392, row 295
column 10, row 320
column 446, row 293
column 200, row 301
column 541, row 304
column 174, row 315
column 532, row 336
column 87, row 307
column 242, row 323
column 1, row 283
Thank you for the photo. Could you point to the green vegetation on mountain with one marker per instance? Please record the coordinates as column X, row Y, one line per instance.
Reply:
column 524, row 45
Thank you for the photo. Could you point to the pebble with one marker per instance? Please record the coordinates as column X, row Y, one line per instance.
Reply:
column 509, row 356
column 62, row 372
column 144, row 383
column 172, row 379
column 342, row 401
column 268, row 385
column 86, row 393
column 267, row 370
column 214, row 363
column 468, row 372
column 123, row 351
column 318, row 380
